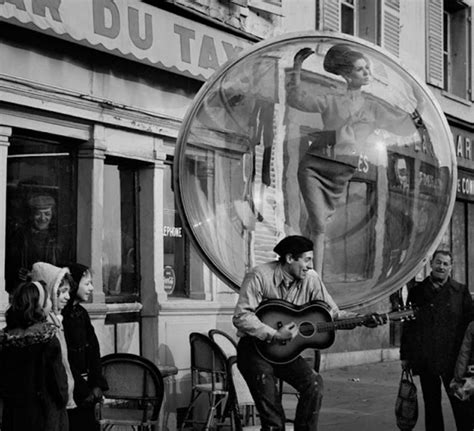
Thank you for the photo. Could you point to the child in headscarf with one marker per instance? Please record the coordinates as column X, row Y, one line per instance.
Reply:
column 84, row 351
column 58, row 282
column 32, row 377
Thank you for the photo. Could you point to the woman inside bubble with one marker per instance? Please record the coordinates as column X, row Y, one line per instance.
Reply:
column 349, row 118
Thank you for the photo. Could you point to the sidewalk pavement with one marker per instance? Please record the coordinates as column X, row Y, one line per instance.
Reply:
column 362, row 398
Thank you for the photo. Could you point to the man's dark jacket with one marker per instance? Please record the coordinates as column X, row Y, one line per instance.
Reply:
column 432, row 340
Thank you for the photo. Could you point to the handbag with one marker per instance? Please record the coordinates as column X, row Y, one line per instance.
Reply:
column 406, row 404
column 463, row 390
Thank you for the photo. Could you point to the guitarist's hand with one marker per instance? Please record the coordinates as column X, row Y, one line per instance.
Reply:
column 286, row 332
column 373, row 320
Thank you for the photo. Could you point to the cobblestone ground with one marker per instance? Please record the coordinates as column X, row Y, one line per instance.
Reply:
column 362, row 398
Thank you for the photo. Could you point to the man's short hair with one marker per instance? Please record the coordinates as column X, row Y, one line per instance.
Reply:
column 443, row 253
column 295, row 245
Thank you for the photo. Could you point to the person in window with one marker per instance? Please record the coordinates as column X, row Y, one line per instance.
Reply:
column 349, row 118
column 430, row 343
column 84, row 351
column 293, row 279
column 33, row 383
column 36, row 241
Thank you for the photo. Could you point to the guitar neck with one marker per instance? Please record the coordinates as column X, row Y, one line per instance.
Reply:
column 340, row 324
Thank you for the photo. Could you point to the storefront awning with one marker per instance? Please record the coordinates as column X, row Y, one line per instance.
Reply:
column 130, row 29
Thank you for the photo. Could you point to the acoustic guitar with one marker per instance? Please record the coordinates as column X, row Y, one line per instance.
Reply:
column 316, row 327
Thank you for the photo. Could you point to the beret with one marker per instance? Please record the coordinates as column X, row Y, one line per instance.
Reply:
column 41, row 201
column 293, row 244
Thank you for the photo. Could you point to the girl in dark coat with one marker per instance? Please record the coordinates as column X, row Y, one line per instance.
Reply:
column 33, row 381
column 83, row 350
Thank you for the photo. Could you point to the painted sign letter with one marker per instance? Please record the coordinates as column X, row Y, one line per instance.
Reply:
column 100, row 27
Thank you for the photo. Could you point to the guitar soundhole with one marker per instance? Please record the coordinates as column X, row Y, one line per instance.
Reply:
column 306, row 329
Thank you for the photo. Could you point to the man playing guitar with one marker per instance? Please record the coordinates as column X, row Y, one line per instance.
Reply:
column 292, row 279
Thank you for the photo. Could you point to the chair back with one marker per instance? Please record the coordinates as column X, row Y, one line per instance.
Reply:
column 224, row 341
column 134, row 382
column 206, row 356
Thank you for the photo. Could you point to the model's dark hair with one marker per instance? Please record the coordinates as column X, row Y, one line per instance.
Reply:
column 340, row 59
column 443, row 253
column 25, row 309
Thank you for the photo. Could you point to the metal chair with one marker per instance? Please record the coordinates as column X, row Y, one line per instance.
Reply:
column 244, row 409
column 227, row 344
column 135, row 393
column 210, row 376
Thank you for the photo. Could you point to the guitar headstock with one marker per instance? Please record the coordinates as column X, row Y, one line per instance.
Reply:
column 402, row 314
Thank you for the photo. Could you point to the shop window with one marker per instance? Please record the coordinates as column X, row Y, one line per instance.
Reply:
column 120, row 273
column 174, row 242
column 456, row 48
column 41, row 205
column 462, row 241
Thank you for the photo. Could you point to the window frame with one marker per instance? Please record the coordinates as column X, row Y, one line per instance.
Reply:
column 184, row 293
column 67, row 147
column 135, row 167
column 456, row 68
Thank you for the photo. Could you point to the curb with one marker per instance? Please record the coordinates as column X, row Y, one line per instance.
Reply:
column 345, row 359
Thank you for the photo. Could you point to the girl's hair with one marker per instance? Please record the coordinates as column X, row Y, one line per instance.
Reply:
column 340, row 59
column 25, row 309
column 77, row 271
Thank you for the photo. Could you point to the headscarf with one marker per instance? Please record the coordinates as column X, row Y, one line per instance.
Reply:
column 52, row 276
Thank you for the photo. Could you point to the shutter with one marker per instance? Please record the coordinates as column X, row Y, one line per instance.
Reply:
column 434, row 26
column 270, row 6
column 330, row 14
column 391, row 26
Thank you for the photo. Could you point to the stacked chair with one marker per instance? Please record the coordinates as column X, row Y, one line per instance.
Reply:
column 214, row 373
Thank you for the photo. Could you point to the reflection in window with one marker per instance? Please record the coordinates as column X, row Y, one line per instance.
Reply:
column 41, row 205
column 460, row 242
column 120, row 248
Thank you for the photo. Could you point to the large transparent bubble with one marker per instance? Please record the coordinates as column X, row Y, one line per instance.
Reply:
column 323, row 136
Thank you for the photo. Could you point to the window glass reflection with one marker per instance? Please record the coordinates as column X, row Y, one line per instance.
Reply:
column 41, row 206
column 174, row 243
column 120, row 251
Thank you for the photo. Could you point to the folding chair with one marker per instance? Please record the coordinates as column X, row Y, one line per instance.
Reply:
column 244, row 405
column 135, row 392
column 210, row 376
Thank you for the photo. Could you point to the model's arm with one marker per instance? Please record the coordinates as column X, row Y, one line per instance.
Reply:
column 296, row 96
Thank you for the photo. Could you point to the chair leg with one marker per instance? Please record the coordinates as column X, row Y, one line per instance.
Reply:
column 194, row 397
column 211, row 412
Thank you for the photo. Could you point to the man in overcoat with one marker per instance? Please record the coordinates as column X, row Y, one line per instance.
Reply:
column 430, row 343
